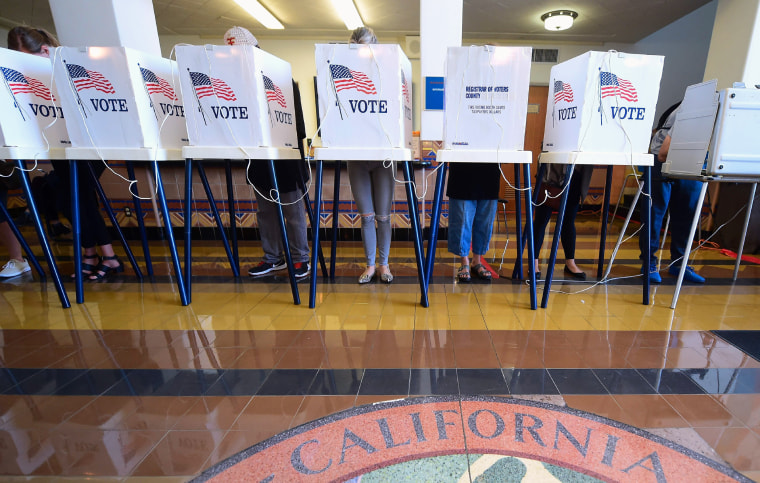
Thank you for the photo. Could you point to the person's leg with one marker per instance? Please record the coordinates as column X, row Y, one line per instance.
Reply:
column 461, row 215
column 361, row 187
column 383, row 186
column 93, row 225
column 7, row 237
column 683, row 202
column 295, row 223
column 16, row 264
column 660, row 192
column 9, row 241
column 268, row 221
column 568, row 232
column 540, row 222
column 90, row 259
column 482, row 229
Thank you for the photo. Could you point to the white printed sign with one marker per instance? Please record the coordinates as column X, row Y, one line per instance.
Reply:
column 486, row 97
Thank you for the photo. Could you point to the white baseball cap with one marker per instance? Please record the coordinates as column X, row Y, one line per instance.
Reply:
column 240, row 36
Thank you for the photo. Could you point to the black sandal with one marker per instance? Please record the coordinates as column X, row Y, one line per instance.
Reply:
column 481, row 272
column 463, row 274
column 89, row 268
column 104, row 271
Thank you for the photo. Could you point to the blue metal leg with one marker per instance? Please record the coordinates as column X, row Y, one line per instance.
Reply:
column 605, row 214
column 183, row 293
column 518, row 223
column 22, row 241
column 215, row 212
column 415, row 221
column 647, row 217
column 534, row 198
column 231, row 211
column 336, row 203
column 140, row 219
column 76, row 230
column 188, row 227
column 315, row 246
column 114, row 222
column 555, row 241
column 285, row 242
column 435, row 216
column 529, row 231
column 415, row 206
column 313, row 223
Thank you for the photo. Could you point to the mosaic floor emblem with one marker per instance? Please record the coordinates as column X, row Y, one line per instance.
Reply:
column 479, row 439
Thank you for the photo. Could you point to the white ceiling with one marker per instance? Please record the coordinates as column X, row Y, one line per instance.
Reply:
column 624, row 21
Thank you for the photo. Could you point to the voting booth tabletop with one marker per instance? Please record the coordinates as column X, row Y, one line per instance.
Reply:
column 131, row 385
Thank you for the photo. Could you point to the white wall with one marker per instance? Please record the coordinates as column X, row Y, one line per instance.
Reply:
column 735, row 45
column 685, row 44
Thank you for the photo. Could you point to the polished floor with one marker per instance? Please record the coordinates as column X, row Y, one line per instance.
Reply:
column 131, row 384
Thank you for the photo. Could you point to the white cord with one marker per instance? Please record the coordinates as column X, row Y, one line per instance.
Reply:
column 693, row 250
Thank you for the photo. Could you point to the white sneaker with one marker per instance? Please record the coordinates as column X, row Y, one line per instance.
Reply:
column 14, row 268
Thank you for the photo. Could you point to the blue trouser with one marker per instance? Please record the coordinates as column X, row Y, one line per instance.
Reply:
column 681, row 196
column 470, row 222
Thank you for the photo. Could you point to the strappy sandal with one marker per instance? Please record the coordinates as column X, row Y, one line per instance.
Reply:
column 89, row 268
column 104, row 270
column 481, row 272
column 463, row 274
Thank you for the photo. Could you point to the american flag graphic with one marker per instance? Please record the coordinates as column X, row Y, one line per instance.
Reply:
column 346, row 78
column 156, row 85
column 404, row 88
column 208, row 86
column 562, row 92
column 89, row 79
column 21, row 84
column 613, row 85
column 273, row 92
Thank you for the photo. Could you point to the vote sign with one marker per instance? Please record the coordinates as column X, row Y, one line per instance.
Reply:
column 116, row 97
column 365, row 96
column 30, row 108
column 602, row 102
column 237, row 96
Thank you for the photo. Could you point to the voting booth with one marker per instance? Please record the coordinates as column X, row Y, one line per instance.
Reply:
column 236, row 96
column 365, row 96
column 603, row 102
column 486, row 104
column 115, row 97
column 714, row 133
column 30, row 108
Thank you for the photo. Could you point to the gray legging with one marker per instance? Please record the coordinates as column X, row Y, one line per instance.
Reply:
column 372, row 185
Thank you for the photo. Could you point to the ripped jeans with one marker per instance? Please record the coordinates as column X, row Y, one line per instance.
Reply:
column 372, row 186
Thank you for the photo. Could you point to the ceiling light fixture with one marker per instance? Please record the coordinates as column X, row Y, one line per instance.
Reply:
column 559, row 19
column 348, row 13
column 260, row 13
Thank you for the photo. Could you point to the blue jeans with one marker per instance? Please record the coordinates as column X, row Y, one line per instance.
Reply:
column 372, row 185
column 470, row 223
column 681, row 196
